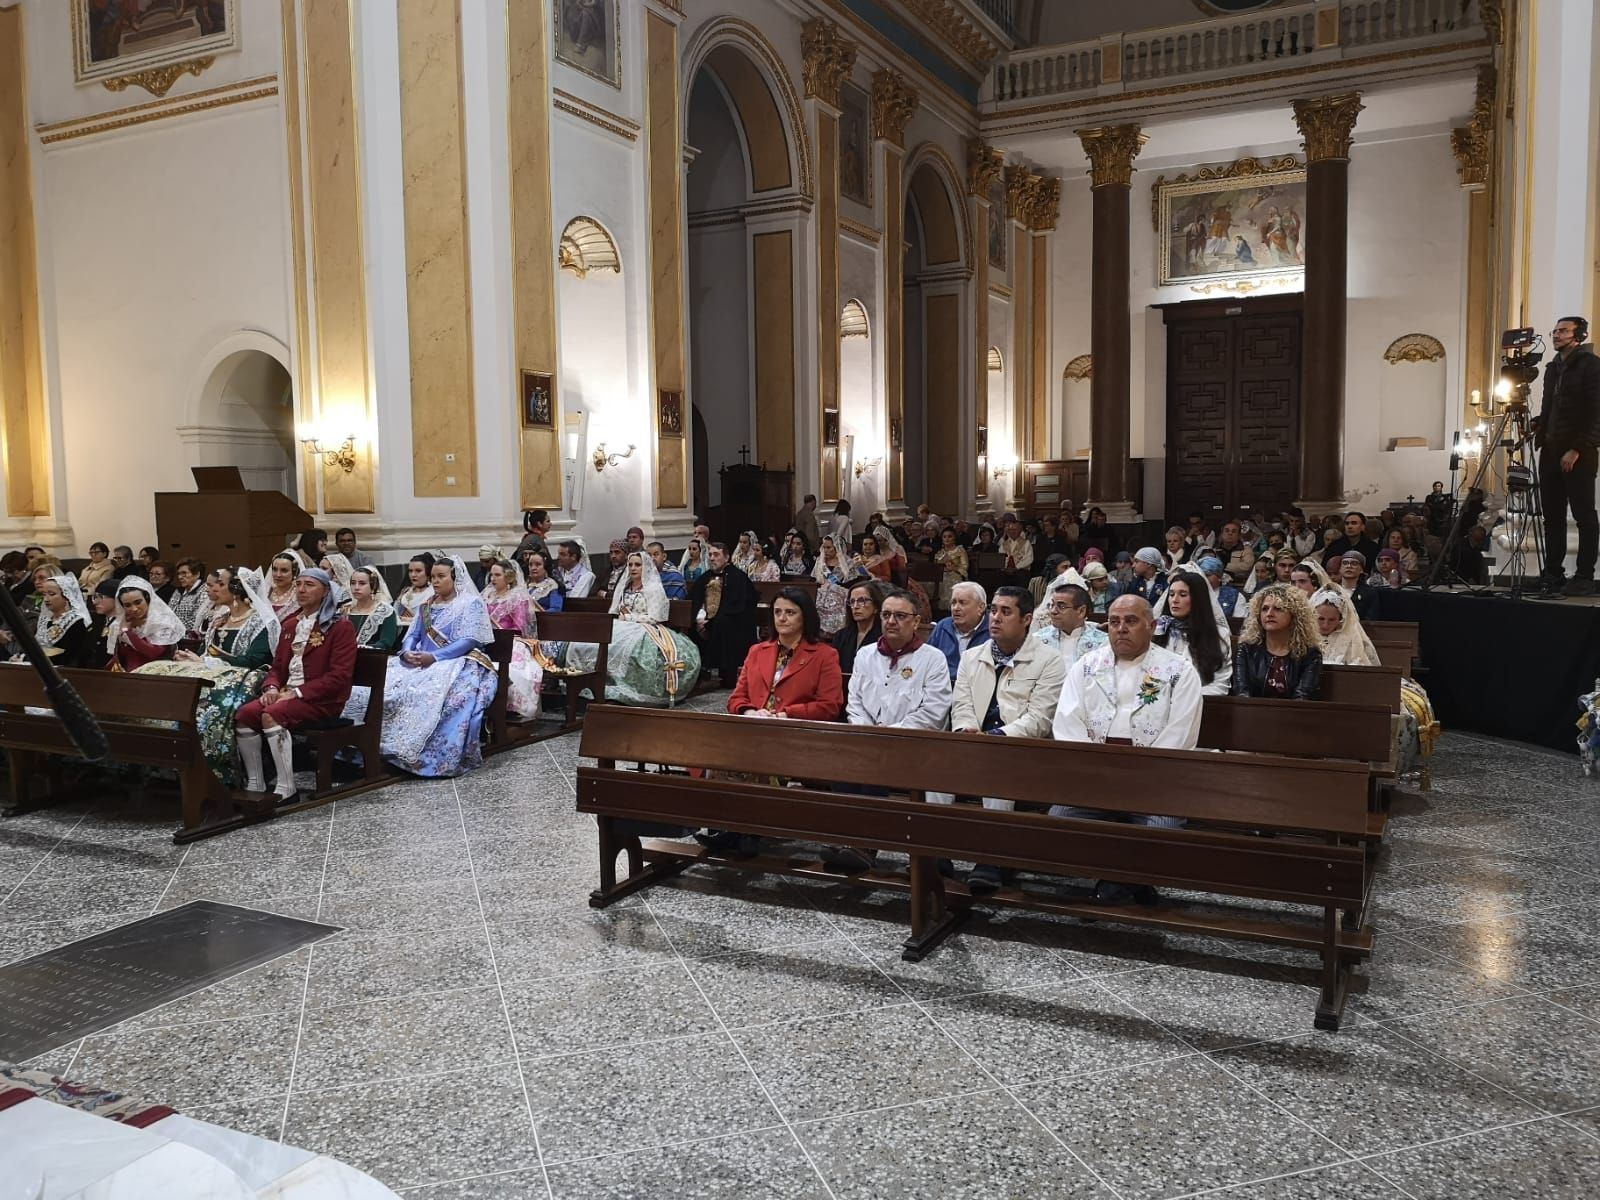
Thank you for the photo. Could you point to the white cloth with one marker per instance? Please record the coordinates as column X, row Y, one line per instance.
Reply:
column 914, row 693
column 1349, row 645
column 579, row 580
column 842, row 532
column 161, row 625
column 1019, row 550
column 656, row 605
column 1071, row 646
column 50, row 628
column 1153, row 701
column 263, row 617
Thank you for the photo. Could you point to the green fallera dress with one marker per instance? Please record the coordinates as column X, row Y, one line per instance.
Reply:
column 376, row 630
column 236, row 672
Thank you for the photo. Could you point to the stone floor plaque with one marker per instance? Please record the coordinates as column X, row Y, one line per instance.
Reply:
column 59, row 996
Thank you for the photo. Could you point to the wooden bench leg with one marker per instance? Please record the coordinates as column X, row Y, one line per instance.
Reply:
column 933, row 918
column 640, row 875
column 22, row 765
column 1335, row 974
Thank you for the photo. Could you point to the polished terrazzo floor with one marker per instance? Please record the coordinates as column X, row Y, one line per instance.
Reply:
column 478, row 1031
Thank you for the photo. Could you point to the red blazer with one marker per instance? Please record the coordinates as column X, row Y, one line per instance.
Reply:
column 812, row 688
column 329, row 665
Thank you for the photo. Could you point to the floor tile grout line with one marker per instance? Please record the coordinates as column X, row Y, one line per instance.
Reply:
column 982, row 1066
column 172, row 879
column 305, row 990
column 505, row 1009
column 766, row 1092
column 31, row 870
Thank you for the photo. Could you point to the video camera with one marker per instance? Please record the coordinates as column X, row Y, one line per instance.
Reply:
column 1521, row 351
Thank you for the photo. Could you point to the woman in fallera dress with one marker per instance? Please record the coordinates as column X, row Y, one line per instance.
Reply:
column 417, row 592
column 281, row 573
column 144, row 629
column 511, row 607
column 647, row 664
column 65, row 625
column 371, row 611
column 833, row 573
column 441, row 684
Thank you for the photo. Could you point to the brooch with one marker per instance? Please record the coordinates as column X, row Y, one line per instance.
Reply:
column 1149, row 691
column 906, row 672
column 315, row 639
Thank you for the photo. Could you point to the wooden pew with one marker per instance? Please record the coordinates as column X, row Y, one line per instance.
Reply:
column 502, row 733
column 326, row 739
column 767, row 590
column 1379, row 686
column 586, row 604
column 124, row 705
column 1317, row 811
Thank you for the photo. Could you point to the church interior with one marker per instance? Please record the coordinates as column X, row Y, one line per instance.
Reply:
column 555, row 383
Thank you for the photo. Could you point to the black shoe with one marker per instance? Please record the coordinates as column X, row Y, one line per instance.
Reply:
column 725, row 841
column 848, row 858
column 1551, row 585
column 1107, row 892
column 985, row 878
column 1578, row 587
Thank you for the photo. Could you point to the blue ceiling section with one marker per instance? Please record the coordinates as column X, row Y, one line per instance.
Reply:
column 915, row 47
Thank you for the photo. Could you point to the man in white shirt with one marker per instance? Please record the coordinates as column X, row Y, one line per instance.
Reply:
column 1007, row 687
column 1133, row 693
column 1018, row 552
column 900, row 683
column 1069, row 629
column 576, row 576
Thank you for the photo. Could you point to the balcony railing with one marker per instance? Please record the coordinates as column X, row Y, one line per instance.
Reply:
column 1231, row 47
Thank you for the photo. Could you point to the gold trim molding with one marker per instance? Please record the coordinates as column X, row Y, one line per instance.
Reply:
column 1472, row 142
column 1328, row 125
column 1111, row 150
column 865, row 232
column 603, row 118
column 828, row 57
column 1414, row 348
column 158, row 110
column 985, row 166
column 1243, row 287
column 894, row 101
column 1081, row 367
column 946, row 19
column 158, row 81
column 1239, row 168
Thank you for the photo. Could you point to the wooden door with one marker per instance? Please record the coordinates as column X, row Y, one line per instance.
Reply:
column 1233, row 407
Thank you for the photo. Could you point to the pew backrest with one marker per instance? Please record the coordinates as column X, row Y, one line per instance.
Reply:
column 1378, row 686
column 1313, row 728
column 586, row 604
column 108, row 693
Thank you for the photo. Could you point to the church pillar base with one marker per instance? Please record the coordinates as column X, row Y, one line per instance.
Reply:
column 1315, row 510
column 1118, row 512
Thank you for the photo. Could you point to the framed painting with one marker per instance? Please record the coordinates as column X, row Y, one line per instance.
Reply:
column 538, row 401
column 855, row 146
column 670, row 415
column 998, row 226
column 589, row 38
column 983, row 441
column 111, row 40
column 830, row 427
column 1223, row 224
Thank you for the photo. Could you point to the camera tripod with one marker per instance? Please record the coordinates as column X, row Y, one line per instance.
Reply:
column 1523, row 513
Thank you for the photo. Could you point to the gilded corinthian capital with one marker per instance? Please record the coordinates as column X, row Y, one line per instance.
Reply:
column 1327, row 123
column 1472, row 142
column 893, row 102
column 1045, row 207
column 984, row 167
column 1019, row 193
column 828, row 57
column 1111, row 150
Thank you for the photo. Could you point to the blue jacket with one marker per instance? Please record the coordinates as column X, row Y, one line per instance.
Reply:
column 945, row 638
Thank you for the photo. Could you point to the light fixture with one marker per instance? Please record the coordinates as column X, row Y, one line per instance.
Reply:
column 1004, row 466
column 343, row 456
column 602, row 460
column 866, row 466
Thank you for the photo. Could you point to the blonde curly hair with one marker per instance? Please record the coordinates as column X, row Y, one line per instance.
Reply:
column 1303, row 633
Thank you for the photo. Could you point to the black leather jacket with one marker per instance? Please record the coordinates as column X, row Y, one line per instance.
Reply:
column 1250, row 673
column 1569, row 418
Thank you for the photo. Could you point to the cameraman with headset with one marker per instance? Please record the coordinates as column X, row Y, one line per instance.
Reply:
column 1568, row 434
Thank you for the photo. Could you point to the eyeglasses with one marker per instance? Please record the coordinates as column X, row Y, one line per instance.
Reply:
column 860, row 602
column 897, row 616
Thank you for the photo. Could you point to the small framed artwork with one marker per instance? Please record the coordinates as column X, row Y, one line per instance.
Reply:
column 999, row 226
column 538, row 401
column 669, row 414
column 115, row 40
column 983, row 440
column 830, row 427
column 855, row 146
column 589, row 39
column 897, row 434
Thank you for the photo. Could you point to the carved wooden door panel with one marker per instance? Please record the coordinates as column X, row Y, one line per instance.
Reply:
column 1233, row 414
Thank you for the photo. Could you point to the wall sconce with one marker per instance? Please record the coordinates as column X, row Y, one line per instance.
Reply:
column 1003, row 467
column 867, row 465
column 343, row 456
column 602, row 460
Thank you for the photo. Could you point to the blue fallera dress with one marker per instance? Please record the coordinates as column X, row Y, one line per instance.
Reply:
column 433, row 715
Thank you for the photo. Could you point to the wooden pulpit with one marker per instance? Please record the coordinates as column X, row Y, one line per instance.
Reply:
column 224, row 525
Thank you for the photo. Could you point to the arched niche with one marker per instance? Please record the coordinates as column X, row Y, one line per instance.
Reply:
column 592, row 337
column 1412, row 391
column 241, row 413
column 1075, row 407
column 745, row 140
column 855, row 386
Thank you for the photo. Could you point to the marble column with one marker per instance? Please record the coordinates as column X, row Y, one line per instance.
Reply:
column 984, row 167
column 1020, row 185
column 827, row 60
column 893, row 102
column 1326, row 123
column 668, row 232
column 1474, row 149
column 1111, row 150
column 1043, row 212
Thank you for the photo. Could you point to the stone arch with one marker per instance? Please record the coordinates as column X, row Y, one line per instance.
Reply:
column 762, row 98
column 240, row 411
column 934, row 193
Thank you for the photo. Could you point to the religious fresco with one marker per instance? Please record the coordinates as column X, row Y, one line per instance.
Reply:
column 114, row 38
column 855, row 146
column 588, row 38
column 998, row 225
column 1244, row 221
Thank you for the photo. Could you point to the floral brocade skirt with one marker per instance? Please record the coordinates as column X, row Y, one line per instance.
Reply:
column 231, row 689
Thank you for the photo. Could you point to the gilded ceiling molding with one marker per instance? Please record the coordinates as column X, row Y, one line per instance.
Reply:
column 1081, row 367
column 611, row 122
column 893, row 103
column 1414, row 348
column 985, row 166
column 1111, row 150
column 1243, row 287
column 1328, row 123
column 947, row 20
column 159, row 110
column 159, row 80
column 865, row 233
column 1239, row 168
column 1044, row 204
column 827, row 58
column 1493, row 15
column 734, row 31
column 1472, row 141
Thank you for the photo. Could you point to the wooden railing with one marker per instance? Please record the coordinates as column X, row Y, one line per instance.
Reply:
column 1231, row 47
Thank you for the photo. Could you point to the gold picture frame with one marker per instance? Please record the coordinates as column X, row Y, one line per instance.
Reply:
column 1243, row 221
column 597, row 53
column 172, row 38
